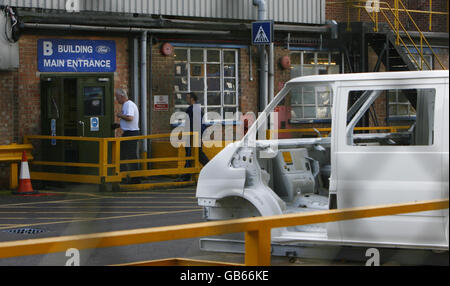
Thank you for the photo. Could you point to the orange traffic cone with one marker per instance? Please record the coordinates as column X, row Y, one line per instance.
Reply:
column 25, row 187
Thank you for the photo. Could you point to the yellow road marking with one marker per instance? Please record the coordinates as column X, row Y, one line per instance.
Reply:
column 95, row 219
column 75, row 200
column 150, row 193
column 139, row 202
column 43, row 218
column 47, row 202
column 73, row 193
column 154, row 197
column 103, row 206
column 69, row 212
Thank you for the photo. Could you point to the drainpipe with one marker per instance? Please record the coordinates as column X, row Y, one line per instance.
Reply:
column 135, row 79
column 261, row 8
column 271, row 71
column 263, row 100
column 136, row 72
column 271, row 82
column 143, row 101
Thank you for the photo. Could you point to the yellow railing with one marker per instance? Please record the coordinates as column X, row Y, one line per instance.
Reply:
column 257, row 231
column 326, row 130
column 395, row 23
column 108, row 161
column 12, row 154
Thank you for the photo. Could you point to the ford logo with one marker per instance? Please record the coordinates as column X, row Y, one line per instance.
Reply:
column 102, row 49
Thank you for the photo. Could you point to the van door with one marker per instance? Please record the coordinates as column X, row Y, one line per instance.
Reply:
column 379, row 167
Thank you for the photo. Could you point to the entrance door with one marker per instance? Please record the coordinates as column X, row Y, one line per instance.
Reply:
column 94, row 114
column 52, row 118
column 76, row 105
column 95, row 107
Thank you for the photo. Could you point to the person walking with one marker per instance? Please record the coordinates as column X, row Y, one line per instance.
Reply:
column 195, row 113
column 129, row 123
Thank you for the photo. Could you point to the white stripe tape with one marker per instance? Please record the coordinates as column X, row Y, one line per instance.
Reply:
column 24, row 171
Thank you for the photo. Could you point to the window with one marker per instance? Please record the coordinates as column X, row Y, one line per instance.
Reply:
column 366, row 117
column 308, row 103
column 420, row 63
column 311, row 103
column 399, row 105
column 212, row 75
column 93, row 101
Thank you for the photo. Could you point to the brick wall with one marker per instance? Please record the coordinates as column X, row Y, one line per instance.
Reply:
column 162, row 84
column 7, row 106
column 248, row 87
column 8, row 110
column 20, row 91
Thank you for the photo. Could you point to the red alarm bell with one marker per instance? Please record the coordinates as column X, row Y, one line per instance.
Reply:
column 167, row 49
column 285, row 62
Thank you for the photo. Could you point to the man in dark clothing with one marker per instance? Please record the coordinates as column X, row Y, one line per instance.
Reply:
column 195, row 114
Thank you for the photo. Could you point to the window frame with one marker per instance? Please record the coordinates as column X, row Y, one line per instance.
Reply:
column 384, row 148
column 204, row 74
column 316, row 70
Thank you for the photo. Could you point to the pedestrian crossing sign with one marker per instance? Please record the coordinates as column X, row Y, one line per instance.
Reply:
column 262, row 32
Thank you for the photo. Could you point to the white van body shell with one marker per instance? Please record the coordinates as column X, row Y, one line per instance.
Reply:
column 233, row 184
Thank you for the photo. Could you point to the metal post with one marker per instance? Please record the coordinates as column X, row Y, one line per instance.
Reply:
column 397, row 19
column 431, row 14
column 143, row 94
column 271, row 82
column 136, row 71
column 103, row 157
column 257, row 247
column 262, row 59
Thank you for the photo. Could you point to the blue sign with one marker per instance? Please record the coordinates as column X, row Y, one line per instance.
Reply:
column 53, row 131
column 262, row 33
column 94, row 124
column 64, row 55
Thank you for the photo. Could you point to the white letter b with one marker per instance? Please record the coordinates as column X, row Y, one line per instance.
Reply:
column 48, row 48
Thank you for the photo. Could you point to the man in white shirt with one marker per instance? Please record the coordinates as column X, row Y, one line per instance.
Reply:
column 129, row 123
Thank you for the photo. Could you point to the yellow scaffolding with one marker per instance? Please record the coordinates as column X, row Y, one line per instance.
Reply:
column 392, row 17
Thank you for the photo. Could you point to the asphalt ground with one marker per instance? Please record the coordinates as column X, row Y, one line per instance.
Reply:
column 82, row 209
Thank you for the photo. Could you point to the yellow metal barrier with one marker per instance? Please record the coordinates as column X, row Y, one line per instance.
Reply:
column 13, row 154
column 257, row 231
column 108, row 161
column 326, row 130
column 109, row 169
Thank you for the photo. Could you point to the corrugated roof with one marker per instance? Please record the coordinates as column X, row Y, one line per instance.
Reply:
column 290, row 11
